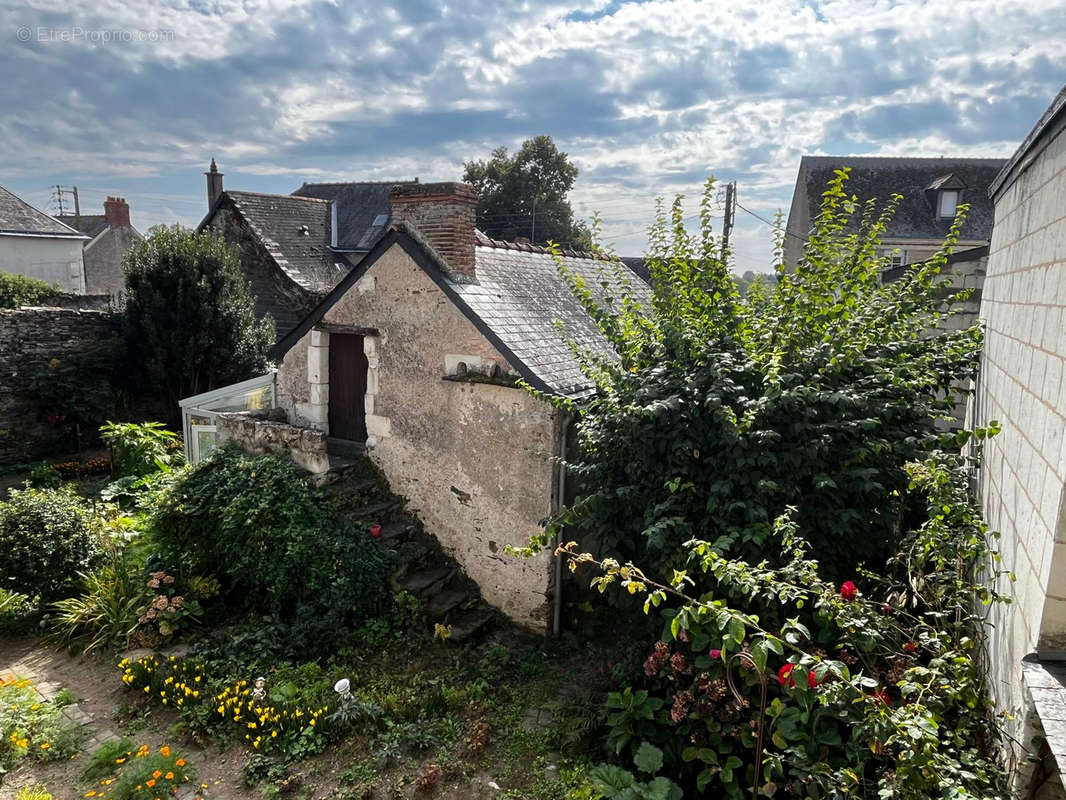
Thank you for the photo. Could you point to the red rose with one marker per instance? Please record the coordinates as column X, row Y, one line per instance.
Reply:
column 849, row 591
column 812, row 682
column 715, row 654
column 881, row 696
column 909, row 647
column 784, row 675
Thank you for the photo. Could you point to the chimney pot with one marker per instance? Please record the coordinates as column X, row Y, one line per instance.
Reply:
column 214, row 184
column 445, row 214
column 117, row 212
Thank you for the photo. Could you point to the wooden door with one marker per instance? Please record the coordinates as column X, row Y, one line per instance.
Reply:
column 347, row 387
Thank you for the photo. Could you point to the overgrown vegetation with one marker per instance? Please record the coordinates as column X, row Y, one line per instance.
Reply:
column 767, row 473
column 189, row 320
column 259, row 526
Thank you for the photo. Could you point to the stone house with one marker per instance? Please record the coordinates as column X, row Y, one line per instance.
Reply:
column 296, row 247
column 39, row 246
column 111, row 236
column 417, row 355
column 1022, row 478
column 932, row 188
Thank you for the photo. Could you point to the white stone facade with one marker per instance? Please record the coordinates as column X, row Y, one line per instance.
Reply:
column 1021, row 385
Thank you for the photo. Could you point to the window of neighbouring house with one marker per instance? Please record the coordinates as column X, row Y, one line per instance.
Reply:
column 948, row 202
column 894, row 258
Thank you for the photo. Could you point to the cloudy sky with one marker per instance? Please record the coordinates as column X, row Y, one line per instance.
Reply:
column 648, row 98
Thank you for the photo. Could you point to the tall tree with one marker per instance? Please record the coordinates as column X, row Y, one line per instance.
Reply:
column 190, row 322
column 524, row 195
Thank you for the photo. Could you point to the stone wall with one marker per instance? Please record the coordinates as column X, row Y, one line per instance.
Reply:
column 274, row 293
column 268, row 432
column 30, row 338
column 471, row 457
column 1022, row 478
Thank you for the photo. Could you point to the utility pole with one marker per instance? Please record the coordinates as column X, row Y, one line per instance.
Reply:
column 730, row 215
column 58, row 192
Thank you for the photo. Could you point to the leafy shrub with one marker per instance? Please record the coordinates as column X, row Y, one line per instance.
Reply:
column 873, row 686
column 142, row 449
column 45, row 476
column 21, row 290
column 722, row 411
column 260, row 526
column 139, row 774
column 31, row 727
column 46, row 539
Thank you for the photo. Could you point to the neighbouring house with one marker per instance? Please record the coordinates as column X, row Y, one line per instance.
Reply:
column 931, row 190
column 111, row 236
column 418, row 354
column 39, row 246
column 1022, row 478
column 296, row 247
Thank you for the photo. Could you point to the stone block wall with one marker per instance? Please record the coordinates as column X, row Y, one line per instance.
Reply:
column 261, row 433
column 30, row 338
column 1023, row 475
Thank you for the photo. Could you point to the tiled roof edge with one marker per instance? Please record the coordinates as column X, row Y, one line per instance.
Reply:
column 484, row 240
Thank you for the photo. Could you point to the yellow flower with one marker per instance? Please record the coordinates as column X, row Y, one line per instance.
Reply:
column 45, row 745
column 150, row 783
column 164, row 751
column 169, row 776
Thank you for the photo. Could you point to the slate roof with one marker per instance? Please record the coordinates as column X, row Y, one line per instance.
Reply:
column 519, row 295
column 89, row 224
column 18, row 216
column 359, row 207
column 915, row 179
column 296, row 233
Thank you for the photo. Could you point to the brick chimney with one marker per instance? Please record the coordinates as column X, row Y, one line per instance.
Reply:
column 445, row 215
column 117, row 212
column 214, row 184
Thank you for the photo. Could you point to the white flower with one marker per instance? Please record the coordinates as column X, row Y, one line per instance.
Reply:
column 342, row 686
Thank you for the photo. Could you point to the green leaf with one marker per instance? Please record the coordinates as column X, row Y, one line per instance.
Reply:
column 648, row 758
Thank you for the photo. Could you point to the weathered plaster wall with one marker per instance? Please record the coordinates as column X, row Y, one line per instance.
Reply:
column 30, row 338
column 261, row 433
column 55, row 261
column 103, row 261
column 1021, row 384
column 470, row 457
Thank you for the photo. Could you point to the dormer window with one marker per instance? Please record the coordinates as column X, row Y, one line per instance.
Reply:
column 947, row 202
column 943, row 195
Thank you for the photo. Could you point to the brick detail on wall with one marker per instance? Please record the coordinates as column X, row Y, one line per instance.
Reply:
column 444, row 215
column 29, row 339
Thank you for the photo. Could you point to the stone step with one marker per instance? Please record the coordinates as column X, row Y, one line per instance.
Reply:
column 470, row 624
column 396, row 532
column 446, row 601
column 427, row 582
column 374, row 511
column 345, row 448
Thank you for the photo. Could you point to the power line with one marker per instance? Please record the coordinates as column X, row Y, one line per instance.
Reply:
column 773, row 225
